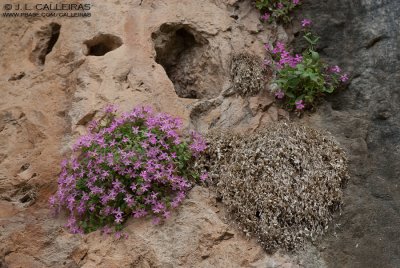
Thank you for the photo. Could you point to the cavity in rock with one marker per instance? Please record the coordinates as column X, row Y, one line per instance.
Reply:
column 101, row 44
column 46, row 39
column 185, row 55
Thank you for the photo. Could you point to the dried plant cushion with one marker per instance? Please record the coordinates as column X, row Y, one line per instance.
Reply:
column 281, row 185
column 247, row 74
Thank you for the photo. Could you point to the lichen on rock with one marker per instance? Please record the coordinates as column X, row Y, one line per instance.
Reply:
column 282, row 184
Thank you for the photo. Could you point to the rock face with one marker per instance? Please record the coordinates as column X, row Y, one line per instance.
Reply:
column 195, row 236
column 363, row 36
column 56, row 73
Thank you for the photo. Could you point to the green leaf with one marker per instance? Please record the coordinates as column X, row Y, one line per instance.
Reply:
column 329, row 89
column 290, row 95
column 308, row 39
column 309, row 98
column 315, row 55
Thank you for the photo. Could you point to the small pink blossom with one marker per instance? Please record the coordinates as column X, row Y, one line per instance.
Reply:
column 167, row 214
column 306, row 22
column 279, row 95
column 266, row 62
column 52, row 200
column 266, row 16
column 135, row 130
column 279, row 48
column 106, row 230
column 204, row 176
column 156, row 220
column 110, row 108
column 344, row 78
column 335, row 69
column 118, row 235
column 299, row 105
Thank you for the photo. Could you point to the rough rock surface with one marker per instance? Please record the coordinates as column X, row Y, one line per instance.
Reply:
column 56, row 73
column 363, row 36
column 195, row 236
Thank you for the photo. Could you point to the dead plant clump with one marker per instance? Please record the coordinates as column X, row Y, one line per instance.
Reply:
column 247, row 74
column 281, row 185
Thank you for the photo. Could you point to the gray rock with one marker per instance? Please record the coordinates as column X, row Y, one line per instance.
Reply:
column 363, row 37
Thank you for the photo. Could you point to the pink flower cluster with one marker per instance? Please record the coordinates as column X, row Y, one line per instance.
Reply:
column 277, row 7
column 284, row 57
column 337, row 70
column 130, row 166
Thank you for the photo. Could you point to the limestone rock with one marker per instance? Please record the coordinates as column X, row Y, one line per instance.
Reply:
column 57, row 73
column 362, row 37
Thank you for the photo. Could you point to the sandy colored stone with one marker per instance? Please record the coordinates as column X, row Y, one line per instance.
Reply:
column 7, row 209
column 48, row 99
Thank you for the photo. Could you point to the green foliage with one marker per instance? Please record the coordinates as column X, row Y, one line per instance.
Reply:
column 277, row 10
column 130, row 166
column 302, row 80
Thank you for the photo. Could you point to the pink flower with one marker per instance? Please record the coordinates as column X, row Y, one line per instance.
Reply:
column 335, row 69
column 267, row 46
column 344, row 78
column 266, row 62
column 135, row 130
column 106, row 230
column 296, row 2
column 280, row 5
column 299, row 105
column 52, row 200
column 204, row 176
column 305, row 22
column 118, row 235
column 298, row 58
column 279, row 95
column 118, row 219
column 279, row 48
column 266, row 16
column 110, row 108
column 166, row 214
column 156, row 221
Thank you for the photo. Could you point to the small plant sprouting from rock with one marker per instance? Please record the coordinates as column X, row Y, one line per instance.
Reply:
column 281, row 185
column 277, row 10
column 303, row 79
column 247, row 74
column 130, row 166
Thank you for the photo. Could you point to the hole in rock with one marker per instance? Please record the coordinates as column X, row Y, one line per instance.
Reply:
column 188, row 60
column 25, row 166
column 101, row 44
column 46, row 39
column 27, row 195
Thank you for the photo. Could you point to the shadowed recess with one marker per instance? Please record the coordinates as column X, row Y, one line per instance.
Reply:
column 46, row 37
column 101, row 44
column 177, row 47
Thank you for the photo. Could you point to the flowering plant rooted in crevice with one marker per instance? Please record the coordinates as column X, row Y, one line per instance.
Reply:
column 277, row 10
column 302, row 79
column 134, row 165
